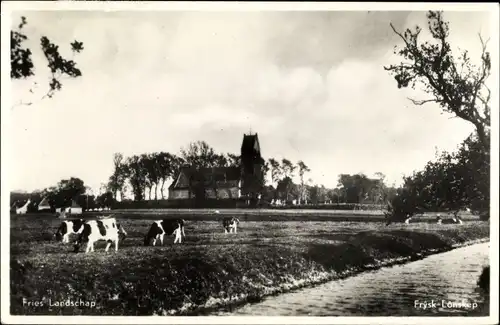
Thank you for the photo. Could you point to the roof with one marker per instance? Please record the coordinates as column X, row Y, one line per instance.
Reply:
column 44, row 202
column 19, row 204
column 223, row 177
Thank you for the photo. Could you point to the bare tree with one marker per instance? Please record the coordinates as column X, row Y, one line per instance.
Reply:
column 456, row 84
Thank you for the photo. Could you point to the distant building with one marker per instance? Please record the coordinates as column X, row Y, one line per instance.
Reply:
column 223, row 182
column 44, row 205
column 251, row 167
column 73, row 209
column 219, row 182
column 20, row 207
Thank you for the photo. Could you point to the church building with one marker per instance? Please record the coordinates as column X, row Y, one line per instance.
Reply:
column 243, row 181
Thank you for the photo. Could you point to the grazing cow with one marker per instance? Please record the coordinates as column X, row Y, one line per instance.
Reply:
column 67, row 228
column 447, row 221
column 390, row 218
column 95, row 230
column 161, row 227
column 230, row 225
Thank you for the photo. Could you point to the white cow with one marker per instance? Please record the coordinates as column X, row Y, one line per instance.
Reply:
column 95, row 230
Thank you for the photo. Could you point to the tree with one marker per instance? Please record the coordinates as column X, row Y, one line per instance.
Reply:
column 268, row 193
column 288, row 169
column 322, row 193
column 314, row 193
column 456, row 84
column 137, row 176
column 401, row 206
column 166, row 169
column 86, row 201
column 233, row 160
column 22, row 66
column 284, row 188
column 334, row 195
column 220, row 160
column 105, row 200
column 476, row 166
column 378, row 191
column 265, row 170
column 176, row 164
column 355, row 187
column 276, row 171
column 64, row 192
column 199, row 154
column 69, row 189
column 452, row 182
column 302, row 170
column 151, row 167
column 117, row 180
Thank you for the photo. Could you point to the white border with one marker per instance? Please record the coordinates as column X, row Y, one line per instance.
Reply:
column 8, row 7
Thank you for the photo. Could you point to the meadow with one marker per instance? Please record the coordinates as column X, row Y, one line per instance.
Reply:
column 211, row 269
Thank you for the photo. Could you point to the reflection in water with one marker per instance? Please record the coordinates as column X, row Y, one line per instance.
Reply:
column 413, row 289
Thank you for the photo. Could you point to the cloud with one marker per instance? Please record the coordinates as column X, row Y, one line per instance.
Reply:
column 311, row 84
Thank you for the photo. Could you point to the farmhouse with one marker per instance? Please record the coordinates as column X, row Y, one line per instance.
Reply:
column 73, row 209
column 20, row 207
column 223, row 182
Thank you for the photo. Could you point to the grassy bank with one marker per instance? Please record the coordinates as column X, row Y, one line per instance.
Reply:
column 246, row 215
column 210, row 269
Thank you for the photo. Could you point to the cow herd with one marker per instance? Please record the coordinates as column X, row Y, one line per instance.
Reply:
column 439, row 220
column 109, row 230
column 455, row 219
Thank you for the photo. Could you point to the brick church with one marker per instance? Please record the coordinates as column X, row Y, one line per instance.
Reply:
column 223, row 182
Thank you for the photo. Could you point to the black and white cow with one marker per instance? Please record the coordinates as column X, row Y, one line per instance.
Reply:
column 230, row 224
column 96, row 230
column 67, row 228
column 160, row 228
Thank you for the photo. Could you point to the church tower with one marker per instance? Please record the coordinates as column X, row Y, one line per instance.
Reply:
column 251, row 165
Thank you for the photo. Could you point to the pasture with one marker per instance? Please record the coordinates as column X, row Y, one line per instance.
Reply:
column 209, row 268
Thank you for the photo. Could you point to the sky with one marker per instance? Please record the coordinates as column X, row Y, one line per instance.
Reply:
column 311, row 84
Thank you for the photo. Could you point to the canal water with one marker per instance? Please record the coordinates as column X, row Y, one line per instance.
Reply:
column 440, row 285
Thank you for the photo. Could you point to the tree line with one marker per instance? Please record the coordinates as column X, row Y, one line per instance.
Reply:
column 452, row 182
column 62, row 195
column 145, row 175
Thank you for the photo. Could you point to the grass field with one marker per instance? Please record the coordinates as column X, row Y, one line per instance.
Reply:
column 210, row 268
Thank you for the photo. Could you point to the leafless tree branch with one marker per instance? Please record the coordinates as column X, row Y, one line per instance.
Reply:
column 422, row 102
